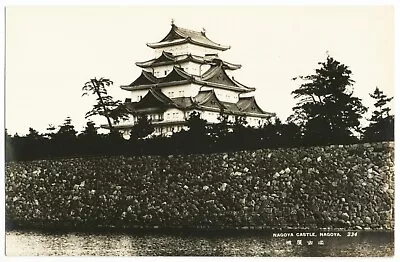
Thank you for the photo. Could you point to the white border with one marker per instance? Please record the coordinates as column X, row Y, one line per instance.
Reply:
column 187, row 3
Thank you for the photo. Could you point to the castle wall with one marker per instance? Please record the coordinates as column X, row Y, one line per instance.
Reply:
column 187, row 48
column 334, row 187
column 224, row 95
column 181, row 90
column 189, row 67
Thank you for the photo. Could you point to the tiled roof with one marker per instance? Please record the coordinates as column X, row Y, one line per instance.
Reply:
column 231, row 106
column 178, row 35
column 203, row 96
column 145, row 78
column 245, row 102
column 168, row 59
column 215, row 77
column 204, row 100
column 153, row 99
column 176, row 74
column 183, row 102
column 217, row 74
column 249, row 105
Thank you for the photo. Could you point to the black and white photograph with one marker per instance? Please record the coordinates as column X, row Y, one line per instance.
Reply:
column 183, row 130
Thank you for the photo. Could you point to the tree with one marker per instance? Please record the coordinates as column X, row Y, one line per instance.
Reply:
column 106, row 106
column 196, row 124
column 142, row 128
column 90, row 130
column 64, row 142
column 33, row 134
column 239, row 124
column 51, row 130
column 382, row 110
column 66, row 131
column 221, row 129
column 327, row 112
column 90, row 142
column 9, row 147
column 381, row 126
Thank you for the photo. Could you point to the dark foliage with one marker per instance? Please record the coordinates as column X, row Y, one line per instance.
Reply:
column 327, row 111
column 199, row 137
column 142, row 128
column 381, row 126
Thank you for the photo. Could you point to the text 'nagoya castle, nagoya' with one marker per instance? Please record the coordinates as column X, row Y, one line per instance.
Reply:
column 188, row 76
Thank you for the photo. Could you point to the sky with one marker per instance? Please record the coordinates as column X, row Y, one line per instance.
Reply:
column 52, row 51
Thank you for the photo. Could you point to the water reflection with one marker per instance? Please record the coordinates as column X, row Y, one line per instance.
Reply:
column 31, row 243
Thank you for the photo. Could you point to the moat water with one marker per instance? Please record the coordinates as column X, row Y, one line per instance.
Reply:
column 184, row 243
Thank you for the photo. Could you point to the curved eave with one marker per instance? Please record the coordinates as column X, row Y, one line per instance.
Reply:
column 168, row 56
column 236, row 85
column 252, row 101
column 144, row 87
column 145, row 78
column 231, row 66
column 240, row 113
column 144, row 64
column 184, row 41
column 211, row 94
column 167, row 43
column 185, row 58
column 182, row 72
column 131, row 88
column 211, row 84
column 177, row 71
column 258, row 107
column 152, row 63
column 207, row 108
column 243, row 86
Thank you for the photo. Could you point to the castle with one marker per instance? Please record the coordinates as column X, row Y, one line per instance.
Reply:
column 187, row 75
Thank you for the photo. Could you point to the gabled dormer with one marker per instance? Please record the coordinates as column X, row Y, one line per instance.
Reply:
column 208, row 99
column 217, row 76
column 249, row 105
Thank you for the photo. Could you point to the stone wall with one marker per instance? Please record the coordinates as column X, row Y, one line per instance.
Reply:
column 349, row 187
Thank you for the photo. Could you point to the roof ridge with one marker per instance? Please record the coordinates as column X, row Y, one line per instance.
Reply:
column 187, row 29
column 209, row 73
column 210, row 93
column 160, row 95
column 149, row 76
column 168, row 55
column 181, row 72
column 183, row 35
column 246, row 97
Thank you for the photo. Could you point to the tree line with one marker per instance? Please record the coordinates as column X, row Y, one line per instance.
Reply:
column 327, row 112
